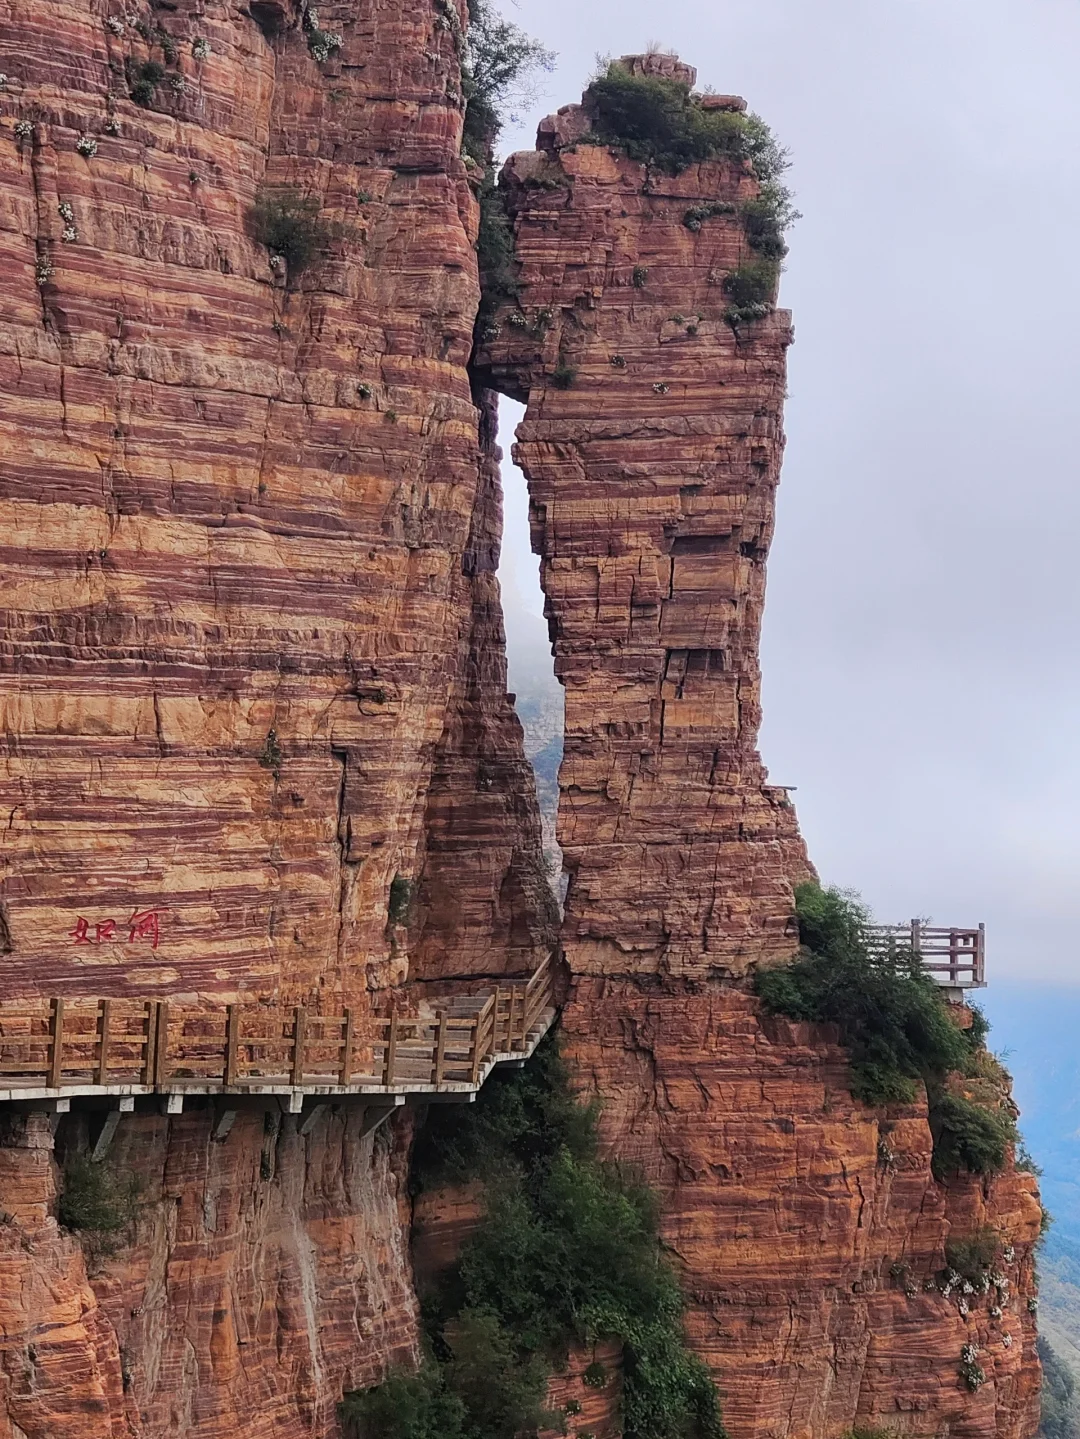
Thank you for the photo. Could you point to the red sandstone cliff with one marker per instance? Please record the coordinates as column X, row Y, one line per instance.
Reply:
column 252, row 660
column 245, row 513
column 252, row 670
column 792, row 1208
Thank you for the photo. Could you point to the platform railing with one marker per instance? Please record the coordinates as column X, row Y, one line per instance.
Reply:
column 159, row 1045
column 955, row 957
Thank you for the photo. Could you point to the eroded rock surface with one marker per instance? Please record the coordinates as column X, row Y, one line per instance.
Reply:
column 252, row 663
column 251, row 673
column 652, row 445
column 809, row 1228
column 269, row 1271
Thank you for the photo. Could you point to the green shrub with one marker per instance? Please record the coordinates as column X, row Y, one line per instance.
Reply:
column 288, row 224
column 640, row 276
column 519, row 1122
column 563, row 375
column 765, row 220
column 698, row 214
column 96, row 1201
column 752, row 290
column 401, row 894
column 1025, row 1161
column 495, row 255
column 659, row 121
column 891, row 1015
column 895, row 1023
column 270, row 756
column 405, row 1406
column 567, row 1254
column 143, row 79
column 968, row 1136
column 972, row 1258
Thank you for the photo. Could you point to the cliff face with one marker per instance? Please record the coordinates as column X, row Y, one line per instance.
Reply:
column 269, row 1271
column 252, row 672
column 810, row 1229
column 252, row 651
column 251, row 666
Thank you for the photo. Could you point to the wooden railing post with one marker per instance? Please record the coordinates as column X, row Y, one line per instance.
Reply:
column 149, row 1069
column 524, row 1036
column 56, row 1042
column 161, row 1045
column 391, row 1050
column 954, row 957
column 980, row 951
column 101, row 1072
column 474, row 1048
column 916, row 938
column 495, row 1020
column 299, row 1036
column 440, row 1047
column 232, row 1042
column 345, row 1073
column 477, row 1053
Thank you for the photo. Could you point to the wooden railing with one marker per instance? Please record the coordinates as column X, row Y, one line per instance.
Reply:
column 157, row 1045
column 955, row 957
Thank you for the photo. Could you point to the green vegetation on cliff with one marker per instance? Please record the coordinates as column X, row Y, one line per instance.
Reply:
column 288, row 223
column 498, row 66
column 567, row 1253
column 898, row 1028
column 659, row 121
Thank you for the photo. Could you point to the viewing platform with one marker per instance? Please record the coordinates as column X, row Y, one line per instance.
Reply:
column 955, row 957
column 55, row 1050
column 119, row 1050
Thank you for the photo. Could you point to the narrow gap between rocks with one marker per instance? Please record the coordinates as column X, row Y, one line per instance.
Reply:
column 539, row 695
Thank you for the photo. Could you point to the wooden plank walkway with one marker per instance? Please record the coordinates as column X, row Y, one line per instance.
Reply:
column 955, row 957
column 62, row 1047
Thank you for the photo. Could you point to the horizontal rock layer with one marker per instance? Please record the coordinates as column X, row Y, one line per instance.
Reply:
column 652, row 445
column 251, row 649
column 251, row 663
column 809, row 1229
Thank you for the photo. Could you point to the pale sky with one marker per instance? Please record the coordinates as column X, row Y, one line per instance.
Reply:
column 921, row 684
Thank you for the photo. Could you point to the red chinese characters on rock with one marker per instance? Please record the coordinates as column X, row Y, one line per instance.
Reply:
column 143, row 924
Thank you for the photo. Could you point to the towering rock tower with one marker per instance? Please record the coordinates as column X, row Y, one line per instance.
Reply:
column 809, row 1227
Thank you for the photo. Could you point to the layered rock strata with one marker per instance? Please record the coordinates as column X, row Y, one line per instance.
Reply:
column 253, row 689
column 810, row 1229
column 269, row 1272
column 257, row 740
column 251, row 648
column 652, row 446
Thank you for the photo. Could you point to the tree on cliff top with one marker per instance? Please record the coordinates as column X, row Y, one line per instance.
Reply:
column 499, row 69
